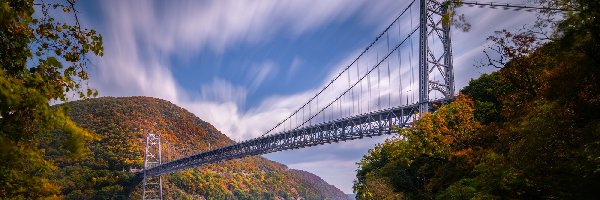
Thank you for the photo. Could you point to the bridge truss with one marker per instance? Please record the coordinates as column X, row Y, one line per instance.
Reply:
column 356, row 127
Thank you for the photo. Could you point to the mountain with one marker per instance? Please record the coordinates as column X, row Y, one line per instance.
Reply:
column 322, row 187
column 116, row 146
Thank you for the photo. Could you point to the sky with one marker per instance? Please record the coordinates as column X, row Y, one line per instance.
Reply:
column 243, row 66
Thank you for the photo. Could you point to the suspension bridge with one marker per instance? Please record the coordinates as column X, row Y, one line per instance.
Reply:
column 370, row 105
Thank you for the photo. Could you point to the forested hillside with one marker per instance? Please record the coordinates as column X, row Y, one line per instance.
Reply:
column 531, row 130
column 320, row 185
column 118, row 127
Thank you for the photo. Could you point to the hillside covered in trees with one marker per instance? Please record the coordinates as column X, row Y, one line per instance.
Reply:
column 117, row 128
column 531, row 130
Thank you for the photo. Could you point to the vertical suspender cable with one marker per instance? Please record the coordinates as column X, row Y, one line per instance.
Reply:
column 399, row 71
column 357, row 78
column 389, row 74
column 369, row 88
column 412, row 72
column 341, row 113
column 378, row 84
column 317, row 106
column 310, row 113
column 331, row 116
column 351, row 109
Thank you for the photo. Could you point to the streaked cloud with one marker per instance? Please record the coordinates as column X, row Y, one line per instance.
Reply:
column 259, row 73
column 142, row 37
column 220, row 90
column 294, row 67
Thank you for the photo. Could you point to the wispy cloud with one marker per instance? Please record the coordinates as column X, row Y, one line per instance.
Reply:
column 259, row 73
column 220, row 90
column 142, row 36
column 216, row 25
column 139, row 45
column 294, row 67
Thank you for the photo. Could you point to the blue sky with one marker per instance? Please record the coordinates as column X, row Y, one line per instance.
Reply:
column 245, row 65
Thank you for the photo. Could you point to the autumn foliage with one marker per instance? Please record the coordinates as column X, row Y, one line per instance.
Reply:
column 43, row 59
column 119, row 126
column 531, row 130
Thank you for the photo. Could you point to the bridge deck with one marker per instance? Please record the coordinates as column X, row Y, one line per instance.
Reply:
column 350, row 128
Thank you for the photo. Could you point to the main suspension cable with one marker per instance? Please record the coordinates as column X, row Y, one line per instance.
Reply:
column 368, row 72
column 506, row 6
column 345, row 69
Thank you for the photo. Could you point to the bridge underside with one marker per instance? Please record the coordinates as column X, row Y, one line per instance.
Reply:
column 351, row 128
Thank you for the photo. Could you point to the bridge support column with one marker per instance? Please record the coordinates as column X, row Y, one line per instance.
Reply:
column 152, row 158
column 447, row 43
column 432, row 15
column 423, row 65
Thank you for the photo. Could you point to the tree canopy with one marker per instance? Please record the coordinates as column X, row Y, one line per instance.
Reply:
column 42, row 59
column 531, row 130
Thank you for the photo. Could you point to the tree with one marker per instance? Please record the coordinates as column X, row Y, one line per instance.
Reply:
column 42, row 59
column 424, row 158
column 537, row 132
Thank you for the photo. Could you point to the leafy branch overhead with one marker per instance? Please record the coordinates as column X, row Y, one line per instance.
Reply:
column 44, row 57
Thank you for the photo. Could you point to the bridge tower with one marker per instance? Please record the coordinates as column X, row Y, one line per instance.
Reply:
column 152, row 158
column 437, row 16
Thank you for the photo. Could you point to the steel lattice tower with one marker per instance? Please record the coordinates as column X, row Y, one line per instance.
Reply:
column 432, row 15
column 152, row 184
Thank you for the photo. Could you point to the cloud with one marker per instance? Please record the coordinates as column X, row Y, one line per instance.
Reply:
column 142, row 36
column 294, row 67
column 259, row 73
column 316, row 160
column 468, row 47
column 139, row 45
column 220, row 90
column 216, row 25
